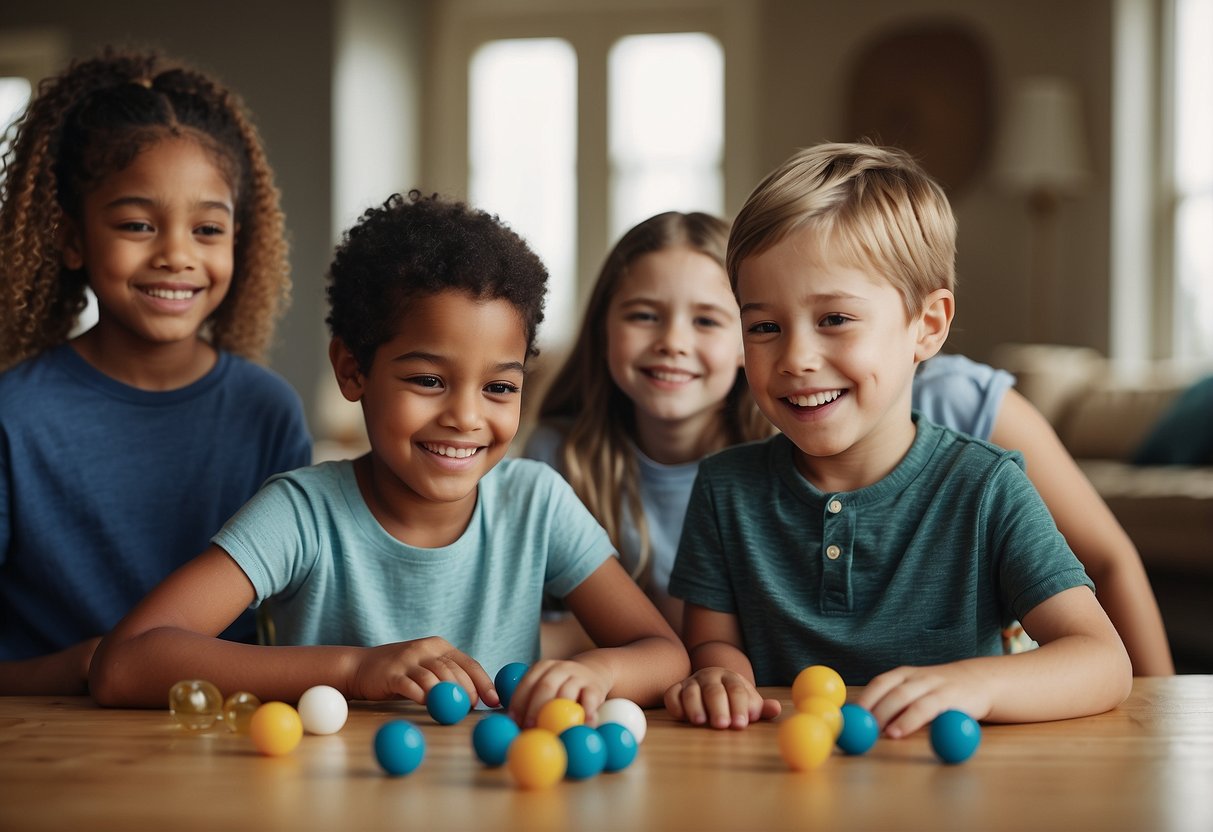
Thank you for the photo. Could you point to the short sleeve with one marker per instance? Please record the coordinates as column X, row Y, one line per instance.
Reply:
column 274, row 538
column 961, row 394
column 577, row 543
column 1034, row 561
column 700, row 575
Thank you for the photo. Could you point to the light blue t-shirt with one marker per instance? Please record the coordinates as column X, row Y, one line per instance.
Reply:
column 664, row 493
column 960, row 393
column 333, row 575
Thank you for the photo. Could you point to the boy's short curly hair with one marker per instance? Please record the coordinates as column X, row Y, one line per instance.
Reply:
column 416, row 246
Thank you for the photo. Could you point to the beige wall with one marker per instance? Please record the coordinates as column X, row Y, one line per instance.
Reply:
column 808, row 50
column 280, row 57
column 283, row 69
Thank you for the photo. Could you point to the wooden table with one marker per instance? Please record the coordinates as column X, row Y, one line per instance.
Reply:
column 1148, row 765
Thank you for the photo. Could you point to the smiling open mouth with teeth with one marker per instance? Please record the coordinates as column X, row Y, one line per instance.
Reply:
column 447, row 450
column 815, row 399
column 668, row 375
column 170, row 294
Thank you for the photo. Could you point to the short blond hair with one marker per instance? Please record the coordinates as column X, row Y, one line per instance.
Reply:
column 873, row 207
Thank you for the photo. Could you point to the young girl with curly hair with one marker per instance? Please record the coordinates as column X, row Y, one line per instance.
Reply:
column 124, row 448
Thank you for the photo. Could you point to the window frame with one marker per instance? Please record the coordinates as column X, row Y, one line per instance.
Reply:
column 460, row 27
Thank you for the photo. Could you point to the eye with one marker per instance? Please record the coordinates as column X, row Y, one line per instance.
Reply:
column 502, row 388
column 640, row 316
column 210, row 230
column 428, row 382
column 833, row 320
column 136, row 226
column 707, row 322
column 763, row 328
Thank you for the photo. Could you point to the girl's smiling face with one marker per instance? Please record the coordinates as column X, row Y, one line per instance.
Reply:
column 674, row 339
column 157, row 240
column 442, row 398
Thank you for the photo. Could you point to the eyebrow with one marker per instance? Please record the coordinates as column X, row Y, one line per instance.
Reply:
column 822, row 297
column 145, row 202
column 434, row 358
column 643, row 301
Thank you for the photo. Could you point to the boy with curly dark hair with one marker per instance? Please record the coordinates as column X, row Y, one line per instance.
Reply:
column 426, row 559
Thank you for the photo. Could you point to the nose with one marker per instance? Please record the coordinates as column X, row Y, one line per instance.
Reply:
column 801, row 353
column 463, row 410
column 675, row 337
column 175, row 253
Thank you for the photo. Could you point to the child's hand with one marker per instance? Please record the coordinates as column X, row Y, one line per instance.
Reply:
column 906, row 698
column 409, row 669
column 720, row 698
column 548, row 680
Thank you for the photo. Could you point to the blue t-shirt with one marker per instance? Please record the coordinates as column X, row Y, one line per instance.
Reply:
column 664, row 492
column 332, row 575
column 106, row 488
column 925, row 566
column 960, row 394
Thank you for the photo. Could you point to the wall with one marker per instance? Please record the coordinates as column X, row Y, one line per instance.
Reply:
column 809, row 49
column 281, row 58
column 282, row 67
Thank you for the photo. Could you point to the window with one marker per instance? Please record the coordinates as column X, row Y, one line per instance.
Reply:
column 1191, row 178
column 666, row 121
column 522, row 156
column 14, row 95
column 626, row 118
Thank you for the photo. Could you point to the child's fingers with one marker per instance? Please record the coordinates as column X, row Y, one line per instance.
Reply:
column 591, row 698
column 878, row 687
column 717, row 705
column 673, row 701
column 476, row 680
column 537, row 687
column 919, row 713
column 409, row 688
column 770, row 709
column 692, row 703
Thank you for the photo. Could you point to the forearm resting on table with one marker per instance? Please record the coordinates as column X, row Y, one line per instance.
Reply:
column 139, row 670
column 1074, row 676
column 721, row 654
column 64, row 673
column 642, row 669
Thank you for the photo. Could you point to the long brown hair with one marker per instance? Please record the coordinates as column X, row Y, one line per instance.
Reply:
column 601, row 420
column 92, row 120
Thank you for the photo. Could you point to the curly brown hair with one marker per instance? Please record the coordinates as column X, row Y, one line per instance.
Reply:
column 92, row 120
column 416, row 246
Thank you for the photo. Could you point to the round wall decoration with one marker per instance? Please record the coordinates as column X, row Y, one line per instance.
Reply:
column 925, row 87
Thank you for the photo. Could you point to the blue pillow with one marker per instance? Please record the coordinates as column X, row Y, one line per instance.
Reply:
column 1184, row 434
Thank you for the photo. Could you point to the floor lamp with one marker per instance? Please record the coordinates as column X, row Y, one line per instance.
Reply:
column 1043, row 157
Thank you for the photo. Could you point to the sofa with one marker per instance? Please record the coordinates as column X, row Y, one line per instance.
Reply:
column 1110, row 417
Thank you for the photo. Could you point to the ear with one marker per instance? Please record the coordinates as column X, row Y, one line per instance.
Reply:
column 933, row 323
column 71, row 244
column 345, row 368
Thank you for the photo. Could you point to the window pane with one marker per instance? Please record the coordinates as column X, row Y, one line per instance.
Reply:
column 1193, row 182
column 1194, row 278
column 666, row 116
column 14, row 95
column 1193, row 81
column 523, row 155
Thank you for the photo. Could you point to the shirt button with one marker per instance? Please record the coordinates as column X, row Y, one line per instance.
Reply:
column 835, row 506
column 832, row 552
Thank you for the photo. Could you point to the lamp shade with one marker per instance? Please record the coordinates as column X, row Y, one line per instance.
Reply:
column 1042, row 146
